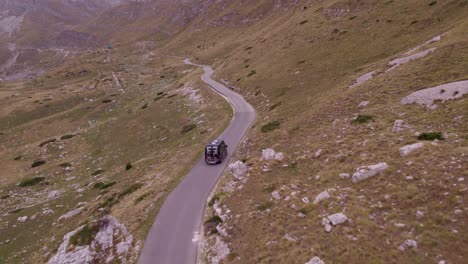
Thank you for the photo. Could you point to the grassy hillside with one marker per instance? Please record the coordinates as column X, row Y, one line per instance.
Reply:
column 296, row 69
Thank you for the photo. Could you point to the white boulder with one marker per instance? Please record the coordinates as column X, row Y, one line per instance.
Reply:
column 363, row 104
column 408, row 244
column 406, row 150
column 315, row 260
column 22, row 219
column 318, row 153
column 279, row 156
column 268, row 154
column 237, row 169
column 345, row 176
column 337, row 219
column 53, row 194
column 321, row 196
column 366, row 172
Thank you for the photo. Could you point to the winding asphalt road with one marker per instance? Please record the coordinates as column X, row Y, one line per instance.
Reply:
column 171, row 238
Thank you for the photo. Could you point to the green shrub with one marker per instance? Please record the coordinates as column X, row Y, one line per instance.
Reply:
column 270, row 126
column 38, row 163
column 47, row 142
column 188, row 128
column 85, row 236
column 361, row 119
column 129, row 166
column 214, row 219
column 105, row 101
column 31, row 182
column 216, row 197
column 142, row 197
column 133, row 188
column 18, row 158
column 5, row 197
column 431, row 136
column 69, row 136
column 103, row 186
column 252, row 73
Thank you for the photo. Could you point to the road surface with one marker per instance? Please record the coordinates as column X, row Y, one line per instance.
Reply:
column 171, row 238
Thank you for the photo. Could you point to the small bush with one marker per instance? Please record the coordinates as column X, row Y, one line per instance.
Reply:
column 188, row 128
column 128, row 166
column 85, row 236
column 361, row 119
column 38, row 163
column 5, row 197
column 133, row 188
column 172, row 95
column 431, row 136
column 103, row 186
column 432, row 3
column 144, row 106
column 69, row 136
column 106, row 101
column 253, row 72
column 31, row 182
column 275, row 105
column 47, row 142
column 303, row 22
column 65, row 165
column 97, row 172
column 270, row 126
column 214, row 219
column 210, row 225
column 216, row 197
column 265, row 206
column 18, row 158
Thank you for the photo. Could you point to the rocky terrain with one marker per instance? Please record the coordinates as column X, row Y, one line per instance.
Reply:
column 358, row 153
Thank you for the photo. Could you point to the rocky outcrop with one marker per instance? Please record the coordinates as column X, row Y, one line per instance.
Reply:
column 270, row 154
column 237, row 169
column 406, row 150
column 333, row 220
column 441, row 93
column 363, row 173
column 71, row 214
column 111, row 243
column 315, row 260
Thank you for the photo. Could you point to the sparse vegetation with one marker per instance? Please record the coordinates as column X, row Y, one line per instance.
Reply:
column 133, row 188
column 361, row 119
column 217, row 197
column 18, row 158
column 265, row 206
column 68, row 136
column 188, row 128
column 431, row 136
column 38, row 163
column 47, row 142
column 86, row 235
column 270, row 126
column 97, row 172
column 31, row 182
column 103, row 186
column 129, row 166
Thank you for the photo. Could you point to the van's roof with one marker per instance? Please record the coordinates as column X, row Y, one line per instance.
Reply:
column 215, row 142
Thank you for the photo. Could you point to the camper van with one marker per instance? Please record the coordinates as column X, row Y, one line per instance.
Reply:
column 215, row 152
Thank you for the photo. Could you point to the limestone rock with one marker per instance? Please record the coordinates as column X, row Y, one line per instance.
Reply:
column 237, row 169
column 366, row 172
column 406, row 150
column 268, row 154
column 399, row 126
column 337, row 219
column 321, row 196
column 315, row 260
